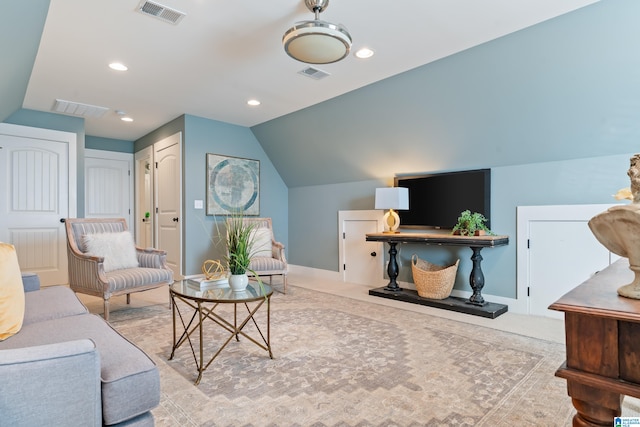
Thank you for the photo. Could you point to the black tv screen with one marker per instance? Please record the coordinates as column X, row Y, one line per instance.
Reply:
column 436, row 200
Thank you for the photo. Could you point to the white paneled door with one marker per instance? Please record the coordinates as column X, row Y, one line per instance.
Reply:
column 168, row 197
column 108, row 185
column 36, row 194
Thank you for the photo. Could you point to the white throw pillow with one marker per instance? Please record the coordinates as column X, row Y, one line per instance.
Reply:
column 118, row 249
column 261, row 242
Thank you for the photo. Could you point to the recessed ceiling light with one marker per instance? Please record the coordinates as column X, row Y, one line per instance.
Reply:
column 118, row 66
column 126, row 119
column 253, row 102
column 364, row 53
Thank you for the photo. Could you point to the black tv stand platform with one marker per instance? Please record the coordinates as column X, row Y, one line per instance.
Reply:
column 461, row 305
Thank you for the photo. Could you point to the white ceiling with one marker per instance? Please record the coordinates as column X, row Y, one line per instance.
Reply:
column 225, row 52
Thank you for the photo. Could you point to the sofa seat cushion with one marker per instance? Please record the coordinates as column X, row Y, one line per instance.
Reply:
column 51, row 302
column 130, row 379
column 133, row 277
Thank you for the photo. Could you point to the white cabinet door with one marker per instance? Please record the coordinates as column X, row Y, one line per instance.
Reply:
column 556, row 252
column 361, row 262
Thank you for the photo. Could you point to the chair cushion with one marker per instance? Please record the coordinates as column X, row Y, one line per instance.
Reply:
column 117, row 249
column 11, row 292
column 262, row 246
column 130, row 278
column 259, row 264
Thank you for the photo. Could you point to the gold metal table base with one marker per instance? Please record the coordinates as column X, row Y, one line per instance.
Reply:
column 201, row 312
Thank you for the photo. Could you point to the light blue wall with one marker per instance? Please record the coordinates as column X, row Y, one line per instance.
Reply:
column 313, row 237
column 202, row 136
column 552, row 109
column 108, row 144
column 20, row 33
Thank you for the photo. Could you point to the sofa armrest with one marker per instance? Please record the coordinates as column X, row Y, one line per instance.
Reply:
column 54, row 384
column 30, row 281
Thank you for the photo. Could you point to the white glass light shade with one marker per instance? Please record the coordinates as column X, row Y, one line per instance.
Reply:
column 317, row 42
column 392, row 198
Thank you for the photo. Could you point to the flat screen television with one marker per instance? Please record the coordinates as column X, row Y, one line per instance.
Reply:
column 436, row 200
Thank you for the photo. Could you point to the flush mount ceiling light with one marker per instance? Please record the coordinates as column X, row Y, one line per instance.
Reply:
column 317, row 42
column 118, row 66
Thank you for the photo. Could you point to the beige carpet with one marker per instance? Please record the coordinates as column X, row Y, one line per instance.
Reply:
column 342, row 362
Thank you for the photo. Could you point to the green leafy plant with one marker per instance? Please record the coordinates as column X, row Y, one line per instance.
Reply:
column 469, row 223
column 239, row 243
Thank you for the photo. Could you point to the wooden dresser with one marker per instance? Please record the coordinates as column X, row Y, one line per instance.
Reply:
column 603, row 345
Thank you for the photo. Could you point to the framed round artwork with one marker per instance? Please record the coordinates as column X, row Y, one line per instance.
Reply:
column 233, row 185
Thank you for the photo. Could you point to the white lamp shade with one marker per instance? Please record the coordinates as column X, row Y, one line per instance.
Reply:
column 392, row 198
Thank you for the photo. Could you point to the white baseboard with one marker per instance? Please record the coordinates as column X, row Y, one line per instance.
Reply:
column 515, row 305
column 315, row 273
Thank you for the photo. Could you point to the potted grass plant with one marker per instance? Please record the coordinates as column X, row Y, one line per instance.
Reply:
column 239, row 243
column 471, row 224
column 240, row 239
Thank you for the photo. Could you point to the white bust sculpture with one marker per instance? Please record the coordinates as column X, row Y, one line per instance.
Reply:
column 618, row 229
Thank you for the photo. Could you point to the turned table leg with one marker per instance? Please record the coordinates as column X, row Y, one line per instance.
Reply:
column 392, row 269
column 476, row 278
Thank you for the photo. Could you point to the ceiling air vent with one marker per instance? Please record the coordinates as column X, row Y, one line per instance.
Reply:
column 78, row 109
column 161, row 12
column 314, row 73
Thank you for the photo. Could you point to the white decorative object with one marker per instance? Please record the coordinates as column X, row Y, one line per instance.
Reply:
column 392, row 198
column 618, row 229
column 117, row 249
column 238, row 282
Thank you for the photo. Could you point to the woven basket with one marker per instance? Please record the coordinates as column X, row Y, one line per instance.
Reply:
column 431, row 280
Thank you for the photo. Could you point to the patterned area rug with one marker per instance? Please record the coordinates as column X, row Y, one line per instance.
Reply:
column 342, row 362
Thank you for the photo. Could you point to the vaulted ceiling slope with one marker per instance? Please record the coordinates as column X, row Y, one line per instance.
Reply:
column 20, row 35
column 223, row 53
column 567, row 88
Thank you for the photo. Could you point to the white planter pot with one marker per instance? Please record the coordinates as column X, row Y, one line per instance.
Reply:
column 238, row 282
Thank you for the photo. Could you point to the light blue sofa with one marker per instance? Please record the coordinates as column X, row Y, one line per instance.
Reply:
column 67, row 367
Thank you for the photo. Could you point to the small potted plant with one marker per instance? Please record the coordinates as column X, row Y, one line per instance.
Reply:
column 239, row 243
column 471, row 224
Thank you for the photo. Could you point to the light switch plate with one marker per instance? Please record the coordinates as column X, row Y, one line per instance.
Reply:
column 198, row 204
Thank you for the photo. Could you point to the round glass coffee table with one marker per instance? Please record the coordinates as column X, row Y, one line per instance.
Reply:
column 203, row 301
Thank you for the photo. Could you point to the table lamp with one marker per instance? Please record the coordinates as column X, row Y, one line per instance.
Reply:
column 392, row 198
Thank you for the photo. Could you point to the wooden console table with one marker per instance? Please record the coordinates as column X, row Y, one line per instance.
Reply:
column 603, row 349
column 476, row 278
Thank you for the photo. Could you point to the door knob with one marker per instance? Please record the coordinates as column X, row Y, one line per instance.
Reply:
column 175, row 219
column 373, row 254
column 62, row 220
